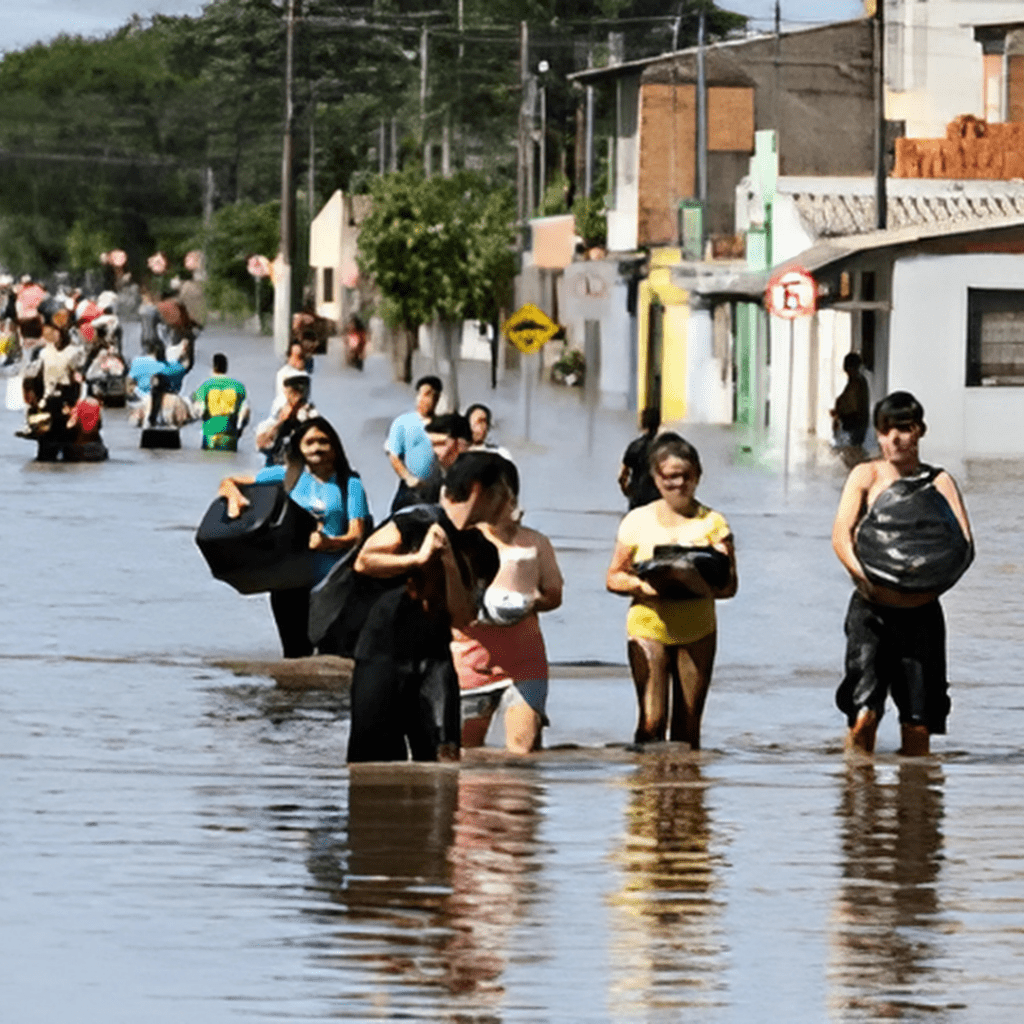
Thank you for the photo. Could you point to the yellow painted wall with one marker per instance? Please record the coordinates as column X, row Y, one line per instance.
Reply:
column 676, row 326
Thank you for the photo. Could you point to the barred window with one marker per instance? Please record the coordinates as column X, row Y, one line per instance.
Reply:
column 995, row 337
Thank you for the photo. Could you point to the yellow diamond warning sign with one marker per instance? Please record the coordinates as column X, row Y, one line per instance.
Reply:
column 529, row 328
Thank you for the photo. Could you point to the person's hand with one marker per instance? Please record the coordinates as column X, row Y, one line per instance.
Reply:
column 643, row 589
column 434, row 543
column 318, row 540
column 236, row 502
column 412, row 482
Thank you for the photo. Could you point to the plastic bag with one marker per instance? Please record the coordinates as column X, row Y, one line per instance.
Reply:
column 910, row 540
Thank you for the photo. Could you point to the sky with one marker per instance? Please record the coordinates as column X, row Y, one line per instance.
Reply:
column 33, row 21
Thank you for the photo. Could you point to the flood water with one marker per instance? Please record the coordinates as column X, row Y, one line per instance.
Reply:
column 180, row 842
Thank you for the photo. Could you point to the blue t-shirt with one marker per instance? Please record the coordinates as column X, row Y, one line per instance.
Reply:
column 408, row 439
column 144, row 368
column 323, row 501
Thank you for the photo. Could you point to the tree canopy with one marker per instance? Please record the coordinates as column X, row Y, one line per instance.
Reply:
column 439, row 248
column 119, row 140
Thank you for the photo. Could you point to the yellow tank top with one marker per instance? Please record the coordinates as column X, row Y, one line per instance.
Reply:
column 670, row 621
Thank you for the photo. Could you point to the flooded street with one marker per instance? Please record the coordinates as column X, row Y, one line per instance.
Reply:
column 179, row 842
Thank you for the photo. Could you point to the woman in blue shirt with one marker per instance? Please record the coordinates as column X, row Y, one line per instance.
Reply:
column 318, row 477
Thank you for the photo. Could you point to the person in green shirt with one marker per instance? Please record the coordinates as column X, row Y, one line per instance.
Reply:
column 222, row 404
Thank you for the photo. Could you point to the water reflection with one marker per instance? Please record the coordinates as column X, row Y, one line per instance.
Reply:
column 429, row 873
column 888, row 906
column 667, row 946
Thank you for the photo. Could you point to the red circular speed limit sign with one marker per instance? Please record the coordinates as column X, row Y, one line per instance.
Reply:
column 791, row 293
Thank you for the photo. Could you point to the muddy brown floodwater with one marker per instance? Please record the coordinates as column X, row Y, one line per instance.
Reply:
column 179, row 842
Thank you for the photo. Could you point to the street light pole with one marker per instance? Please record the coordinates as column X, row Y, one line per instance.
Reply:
column 283, row 280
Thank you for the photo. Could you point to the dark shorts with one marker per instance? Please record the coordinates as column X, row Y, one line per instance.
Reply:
column 897, row 651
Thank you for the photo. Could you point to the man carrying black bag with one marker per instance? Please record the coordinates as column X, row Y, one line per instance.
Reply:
column 405, row 694
column 900, row 562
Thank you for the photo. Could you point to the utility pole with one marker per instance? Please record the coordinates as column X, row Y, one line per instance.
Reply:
column 702, row 119
column 881, row 198
column 423, row 101
column 524, row 129
column 283, row 281
column 778, row 62
column 588, row 155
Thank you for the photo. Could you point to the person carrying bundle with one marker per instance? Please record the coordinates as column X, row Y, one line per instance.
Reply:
column 901, row 531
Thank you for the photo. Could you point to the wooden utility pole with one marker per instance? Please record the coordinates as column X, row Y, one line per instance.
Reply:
column 424, row 44
column 283, row 280
column 881, row 197
column 524, row 141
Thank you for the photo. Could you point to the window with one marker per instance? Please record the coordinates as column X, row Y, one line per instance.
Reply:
column 995, row 337
column 328, row 284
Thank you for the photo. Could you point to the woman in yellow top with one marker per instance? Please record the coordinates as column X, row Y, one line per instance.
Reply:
column 671, row 640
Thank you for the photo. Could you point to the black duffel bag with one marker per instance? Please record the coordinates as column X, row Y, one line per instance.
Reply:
column 669, row 559
column 265, row 548
column 910, row 539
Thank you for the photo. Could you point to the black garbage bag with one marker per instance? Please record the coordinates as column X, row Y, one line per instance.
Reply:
column 265, row 548
column 669, row 559
column 910, row 539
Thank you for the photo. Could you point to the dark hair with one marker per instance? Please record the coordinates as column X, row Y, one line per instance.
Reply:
column 671, row 444
column 650, row 419
column 476, row 467
column 451, row 424
column 296, row 463
column 479, row 405
column 220, row 363
column 434, row 382
column 900, row 408
column 852, row 362
column 158, row 387
column 298, row 381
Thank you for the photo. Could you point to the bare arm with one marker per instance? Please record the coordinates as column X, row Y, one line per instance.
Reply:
column 621, row 579
column 229, row 489
column 320, row 541
column 458, row 598
column 403, row 473
column 382, row 556
column 946, row 486
column 727, row 547
column 624, row 475
column 549, row 586
column 851, row 502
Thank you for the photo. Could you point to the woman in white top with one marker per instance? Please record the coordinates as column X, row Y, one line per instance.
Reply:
column 500, row 658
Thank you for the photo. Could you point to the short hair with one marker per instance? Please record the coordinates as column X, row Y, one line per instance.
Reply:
column 852, row 362
column 220, row 362
column 434, row 382
column 298, row 381
column 451, row 424
column 475, row 467
column 671, row 444
column 483, row 408
column 650, row 418
column 898, row 409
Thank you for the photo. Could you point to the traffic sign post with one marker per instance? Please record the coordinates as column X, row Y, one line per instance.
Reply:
column 529, row 328
column 791, row 293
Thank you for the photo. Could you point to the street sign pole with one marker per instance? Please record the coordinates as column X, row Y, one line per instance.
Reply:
column 792, row 293
column 529, row 329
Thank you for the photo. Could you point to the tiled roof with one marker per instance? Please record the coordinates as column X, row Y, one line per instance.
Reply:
column 834, row 215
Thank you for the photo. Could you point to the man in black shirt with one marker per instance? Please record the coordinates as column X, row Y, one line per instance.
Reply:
column 405, row 694
column 635, row 479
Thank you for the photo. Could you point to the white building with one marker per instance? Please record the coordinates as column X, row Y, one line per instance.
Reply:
column 936, row 68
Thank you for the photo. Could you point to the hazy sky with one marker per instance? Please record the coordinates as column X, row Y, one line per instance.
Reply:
column 32, row 21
